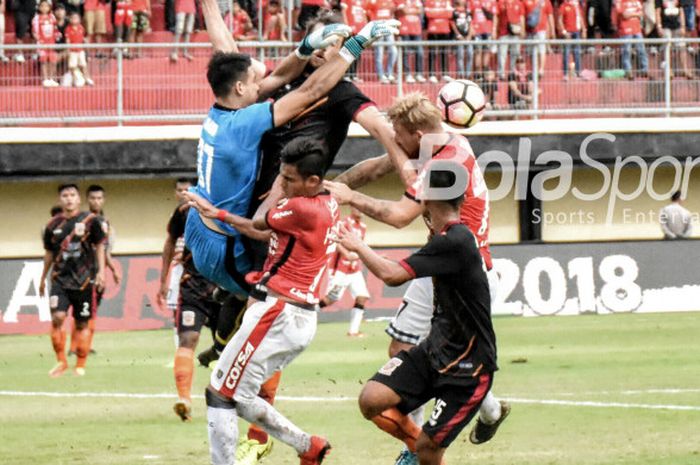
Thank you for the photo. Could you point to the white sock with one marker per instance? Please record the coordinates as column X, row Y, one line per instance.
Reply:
column 274, row 423
column 490, row 410
column 222, row 425
column 356, row 320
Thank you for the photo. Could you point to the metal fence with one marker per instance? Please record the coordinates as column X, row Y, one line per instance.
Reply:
column 137, row 83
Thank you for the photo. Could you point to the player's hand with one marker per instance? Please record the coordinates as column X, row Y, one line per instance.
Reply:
column 42, row 288
column 348, row 239
column 100, row 281
column 201, row 204
column 375, row 30
column 340, row 192
column 322, row 38
column 162, row 296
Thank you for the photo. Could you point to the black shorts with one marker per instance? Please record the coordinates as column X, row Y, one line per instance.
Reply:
column 83, row 301
column 193, row 312
column 457, row 400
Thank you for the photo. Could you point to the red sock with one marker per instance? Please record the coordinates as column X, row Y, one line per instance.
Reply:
column 267, row 392
column 91, row 327
column 58, row 340
column 398, row 425
column 183, row 370
column 73, row 337
column 82, row 349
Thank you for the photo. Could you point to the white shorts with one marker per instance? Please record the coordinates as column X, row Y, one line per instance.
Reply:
column 271, row 335
column 412, row 321
column 184, row 22
column 341, row 281
column 76, row 59
column 174, row 287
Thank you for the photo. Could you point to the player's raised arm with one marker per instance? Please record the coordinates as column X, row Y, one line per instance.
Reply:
column 398, row 213
column 219, row 35
column 293, row 65
column 324, row 78
column 389, row 271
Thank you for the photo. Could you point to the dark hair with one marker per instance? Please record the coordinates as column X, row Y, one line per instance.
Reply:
column 71, row 185
column 61, row 6
column 225, row 69
column 55, row 210
column 676, row 196
column 94, row 188
column 442, row 178
column 308, row 155
column 324, row 17
column 184, row 180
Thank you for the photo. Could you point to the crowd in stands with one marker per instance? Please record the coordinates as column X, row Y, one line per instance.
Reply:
column 467, row 22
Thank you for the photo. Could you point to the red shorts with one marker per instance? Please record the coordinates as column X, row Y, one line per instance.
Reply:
column 48, row 56
column 123, row 17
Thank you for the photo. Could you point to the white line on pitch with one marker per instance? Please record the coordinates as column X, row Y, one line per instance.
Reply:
column 514, row 400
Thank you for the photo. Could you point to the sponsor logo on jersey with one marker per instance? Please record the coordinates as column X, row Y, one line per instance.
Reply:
column 58, row 231
column 297, row 293
column 282, row 214
column 390, row 366
column 79, row 229
column 239, row 365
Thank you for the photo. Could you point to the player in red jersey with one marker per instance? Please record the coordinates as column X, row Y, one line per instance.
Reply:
column 44, row 32
column 75, row 254
column 281, row 322
column 414, row 118
column 346, row 271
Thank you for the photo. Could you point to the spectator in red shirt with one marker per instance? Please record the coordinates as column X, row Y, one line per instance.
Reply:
column 378, row 10
column 411, row 30
column 462, row 31
column 484, row 25
column 77, row 62
column 184, row 25
column 628, row 15
column 439, row 14
column 123, row 17
column 571, row 27
column 3, row 58
column 275, row 23
column 140, row 23
column 44, row 32
column 511, row 27
column 242, row 24
column 539, row 22
column 355, row 15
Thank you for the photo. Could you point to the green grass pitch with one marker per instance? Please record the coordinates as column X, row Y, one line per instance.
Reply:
column 621, row 389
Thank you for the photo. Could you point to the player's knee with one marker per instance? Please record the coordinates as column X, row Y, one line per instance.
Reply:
column 360, row 302
column 188, row 339
column 427, row 449
column 370, row 402
column 57, row 319
column 81, row 324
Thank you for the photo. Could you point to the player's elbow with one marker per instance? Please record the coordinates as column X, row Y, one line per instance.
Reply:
column 400, row 221
column 393, row 281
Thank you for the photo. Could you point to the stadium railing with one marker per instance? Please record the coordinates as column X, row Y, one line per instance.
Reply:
column 152, row 88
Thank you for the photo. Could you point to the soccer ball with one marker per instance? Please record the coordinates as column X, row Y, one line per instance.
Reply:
column 461, row 103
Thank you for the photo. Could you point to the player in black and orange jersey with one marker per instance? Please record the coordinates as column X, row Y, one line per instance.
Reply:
column 96, row 199
column 75, row 254
column 199, row 304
